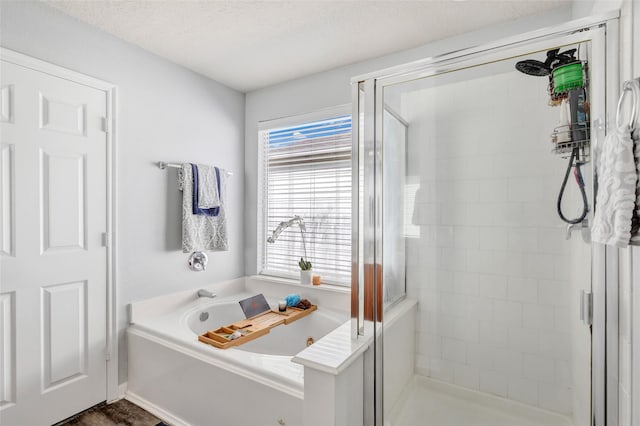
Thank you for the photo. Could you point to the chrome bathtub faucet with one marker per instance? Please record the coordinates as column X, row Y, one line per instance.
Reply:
column 205, row 293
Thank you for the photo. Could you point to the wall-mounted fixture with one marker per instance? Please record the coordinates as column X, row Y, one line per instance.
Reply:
column 198, row 261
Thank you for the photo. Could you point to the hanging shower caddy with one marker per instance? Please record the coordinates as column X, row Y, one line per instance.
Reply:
column 576, row 133
column 568, row 89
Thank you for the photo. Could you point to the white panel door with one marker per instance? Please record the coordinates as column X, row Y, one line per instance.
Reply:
column 53, row 204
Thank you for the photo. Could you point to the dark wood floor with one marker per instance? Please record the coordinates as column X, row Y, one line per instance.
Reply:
column 120, row 413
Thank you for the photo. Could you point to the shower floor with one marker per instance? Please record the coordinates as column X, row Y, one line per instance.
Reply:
column 427, row 402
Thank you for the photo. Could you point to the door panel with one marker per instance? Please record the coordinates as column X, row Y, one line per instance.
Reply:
column 53, row 264
column 7, row 349
column 63, row 186
column 7, row 231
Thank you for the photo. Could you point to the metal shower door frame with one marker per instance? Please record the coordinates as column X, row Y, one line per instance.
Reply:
column 368, row 105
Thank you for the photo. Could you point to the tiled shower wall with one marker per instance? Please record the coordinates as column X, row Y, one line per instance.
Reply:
column 486, row 254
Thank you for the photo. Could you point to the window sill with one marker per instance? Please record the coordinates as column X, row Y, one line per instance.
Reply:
column 295, row 283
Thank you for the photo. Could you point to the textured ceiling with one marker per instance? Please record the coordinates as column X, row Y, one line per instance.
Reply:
column 252, row 44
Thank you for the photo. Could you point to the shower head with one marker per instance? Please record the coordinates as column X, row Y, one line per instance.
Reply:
column 538, row 68
column 533, row 67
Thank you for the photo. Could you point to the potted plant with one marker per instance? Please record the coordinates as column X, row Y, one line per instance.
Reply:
column 306, row 275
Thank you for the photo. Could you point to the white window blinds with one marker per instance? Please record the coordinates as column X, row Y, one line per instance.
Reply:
column 308, row 173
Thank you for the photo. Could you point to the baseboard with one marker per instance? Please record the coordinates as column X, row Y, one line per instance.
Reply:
column 161, row 413
column 122, row 391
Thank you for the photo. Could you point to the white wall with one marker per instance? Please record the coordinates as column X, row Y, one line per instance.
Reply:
column 331, row 88
column 165, row 112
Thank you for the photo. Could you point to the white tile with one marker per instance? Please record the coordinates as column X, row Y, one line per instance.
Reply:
column 480, row 308
column 563, row 372
column 522, row 290
column 507, row 313
column 458, row 191
column 523, row 390
column 465, row 282
column 562, row 319
column 453, row 304
column 441, row 369
column 422, row 364
column 554, row 292
column 555, row 398
column 523, row 240
column 452, row 259
column 524, row 339
column 466, row 237
column 562, row 267
column 540, row 317
column 509, row 362
column 492, row 190
column 541, row 266
column 444, row 236
column 481, row 356
column 429, row 345
column 541, row 368
column 454, row 350
column 428, row 258
column 508, row 214
column 427, row 214
column 481, row 214
column 467, row 376
column 444, row 280
column 493, row 286
column 493, row 238
column 492, row 333
column 554, row 344
column 493, row 382
column 495, row 262
column 553, row 241
column 524, row 190
column 458, row 328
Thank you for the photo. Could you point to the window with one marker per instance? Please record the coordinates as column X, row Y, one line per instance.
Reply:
column 306, row 168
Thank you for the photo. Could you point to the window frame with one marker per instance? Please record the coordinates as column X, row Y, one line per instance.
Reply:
column 271, row 125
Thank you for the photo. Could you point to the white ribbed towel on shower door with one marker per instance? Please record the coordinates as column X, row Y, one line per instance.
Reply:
column 635, row 136
column 617, row 182
column 201, row 232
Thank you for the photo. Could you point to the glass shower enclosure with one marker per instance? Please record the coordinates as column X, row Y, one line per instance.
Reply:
column 460, row 160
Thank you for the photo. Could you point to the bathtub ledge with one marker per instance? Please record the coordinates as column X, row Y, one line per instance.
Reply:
column 334, row 352
column 337, row 350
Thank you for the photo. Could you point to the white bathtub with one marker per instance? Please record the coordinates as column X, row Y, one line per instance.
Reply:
column 189, row 382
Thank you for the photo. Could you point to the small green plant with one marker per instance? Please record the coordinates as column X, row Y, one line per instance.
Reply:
column 304, row 265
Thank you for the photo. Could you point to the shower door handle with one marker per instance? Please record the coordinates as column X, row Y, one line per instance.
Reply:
column 586, row 307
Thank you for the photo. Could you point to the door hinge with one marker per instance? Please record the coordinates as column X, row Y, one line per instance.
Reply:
column 107, row 125
column 586, row 307
column 107, row 353
column 106, row 239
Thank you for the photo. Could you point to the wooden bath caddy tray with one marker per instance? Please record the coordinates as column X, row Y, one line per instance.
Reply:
column 254, row 327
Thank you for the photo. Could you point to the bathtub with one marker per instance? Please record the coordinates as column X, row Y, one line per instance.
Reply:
column 188, row 382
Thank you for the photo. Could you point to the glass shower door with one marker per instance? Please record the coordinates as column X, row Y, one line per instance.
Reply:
column 458, row 211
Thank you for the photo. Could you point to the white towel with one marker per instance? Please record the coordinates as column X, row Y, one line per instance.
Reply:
column 635, row 136
column 201, row 232
column 617, row 182
column 208, row 197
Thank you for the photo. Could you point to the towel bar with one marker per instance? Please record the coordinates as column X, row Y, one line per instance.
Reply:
column 629, row 87
column 163, row 165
